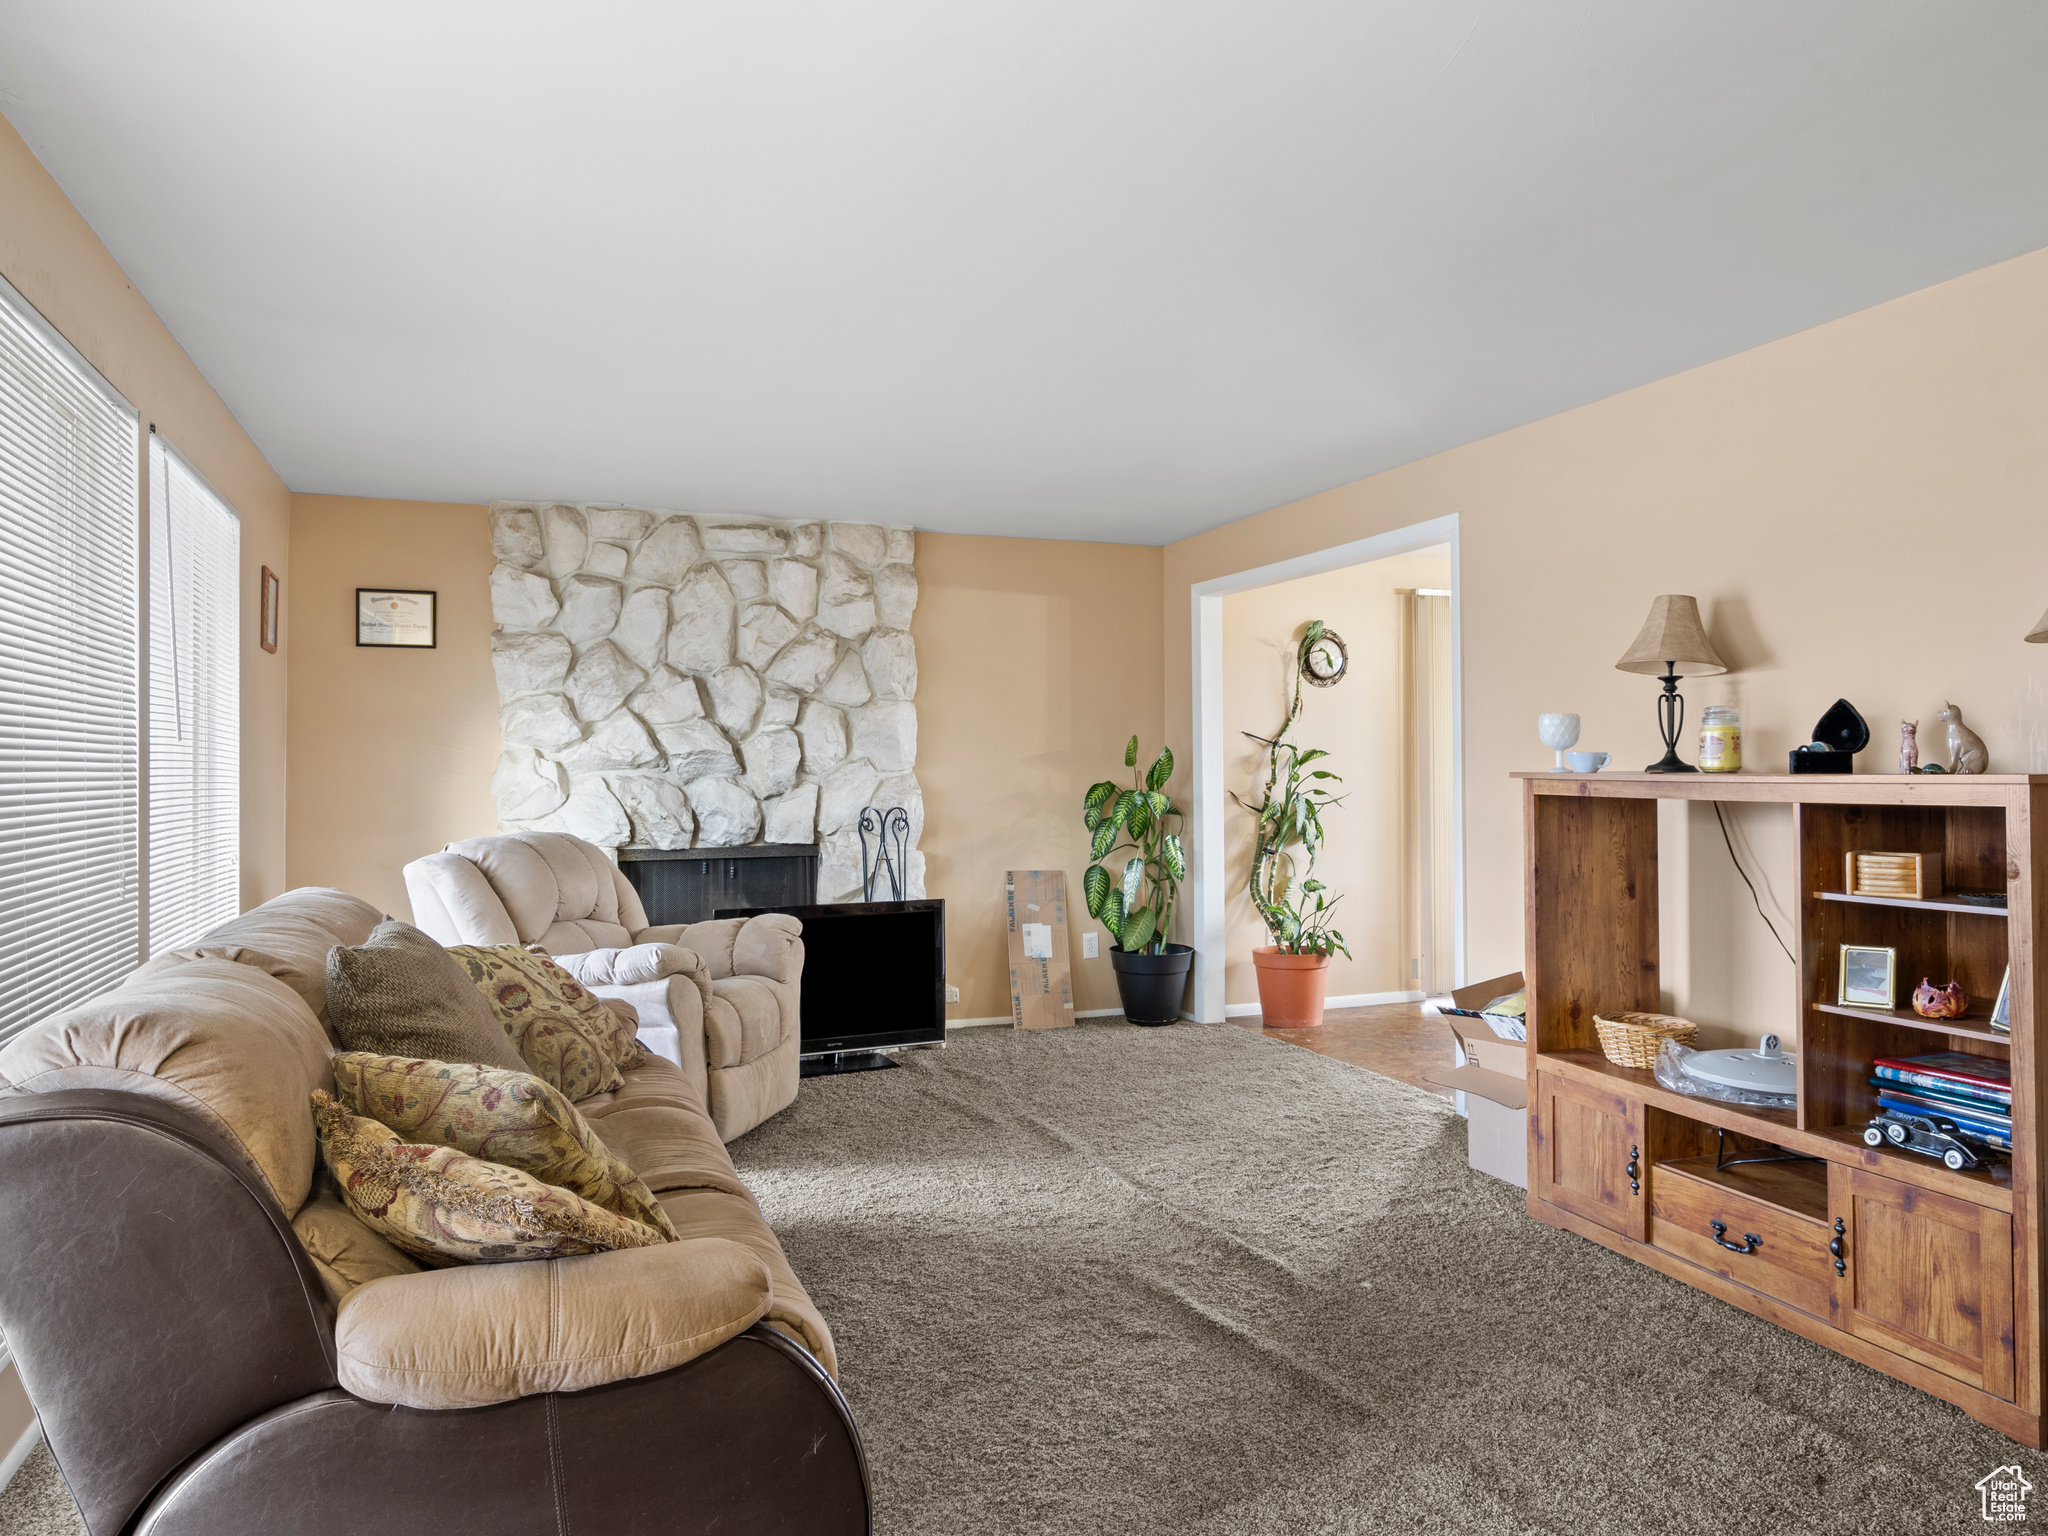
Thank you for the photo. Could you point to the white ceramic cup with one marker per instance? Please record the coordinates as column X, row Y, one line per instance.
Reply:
column 1586, row 762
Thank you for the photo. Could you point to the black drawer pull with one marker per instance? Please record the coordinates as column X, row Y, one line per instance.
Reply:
column 1635, row 1163
column 1721, row 1236
column 1835, row 1247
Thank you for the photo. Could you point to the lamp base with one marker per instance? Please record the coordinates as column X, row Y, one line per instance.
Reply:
column 1670, row 763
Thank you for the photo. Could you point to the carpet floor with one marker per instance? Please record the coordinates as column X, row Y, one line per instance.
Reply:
column 1193, row 1281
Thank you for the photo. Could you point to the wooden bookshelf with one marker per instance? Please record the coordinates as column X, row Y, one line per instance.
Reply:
column 1948, row 1297
column 1924, row 903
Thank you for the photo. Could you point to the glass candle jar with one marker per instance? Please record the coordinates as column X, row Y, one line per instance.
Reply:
column 1720, row 739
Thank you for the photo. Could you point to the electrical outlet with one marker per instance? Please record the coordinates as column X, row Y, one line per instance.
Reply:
column 952, row 994
column 1090, row 946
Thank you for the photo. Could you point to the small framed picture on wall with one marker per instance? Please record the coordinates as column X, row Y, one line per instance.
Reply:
column 389, row 616
column 266, row 634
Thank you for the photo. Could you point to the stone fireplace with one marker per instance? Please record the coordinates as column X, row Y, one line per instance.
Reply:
column 671, row 682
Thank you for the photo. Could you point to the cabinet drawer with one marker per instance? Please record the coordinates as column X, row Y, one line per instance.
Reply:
column 1788, row 1259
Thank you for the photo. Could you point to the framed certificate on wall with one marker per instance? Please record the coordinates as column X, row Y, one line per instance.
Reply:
column 388, row 617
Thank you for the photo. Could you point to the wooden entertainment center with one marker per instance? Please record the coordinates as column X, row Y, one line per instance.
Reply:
column 1929, row 1275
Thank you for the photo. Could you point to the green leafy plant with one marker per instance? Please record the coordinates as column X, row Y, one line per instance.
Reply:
column 1136, row 906
column 1295, row 906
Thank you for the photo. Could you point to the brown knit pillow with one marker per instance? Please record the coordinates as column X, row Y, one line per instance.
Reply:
column 401, row 994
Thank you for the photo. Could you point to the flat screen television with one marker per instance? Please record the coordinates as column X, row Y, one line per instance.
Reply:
column 874, row 974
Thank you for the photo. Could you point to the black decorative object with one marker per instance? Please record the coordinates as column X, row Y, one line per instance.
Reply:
column 1842, row 728
column 1837, row 737
column 883, row 825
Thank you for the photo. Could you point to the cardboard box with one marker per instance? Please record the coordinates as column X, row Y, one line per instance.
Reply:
column 1041, row 976
column 1491, row 1077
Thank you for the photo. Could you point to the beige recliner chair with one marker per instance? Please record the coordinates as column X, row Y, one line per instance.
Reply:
column 721, row 999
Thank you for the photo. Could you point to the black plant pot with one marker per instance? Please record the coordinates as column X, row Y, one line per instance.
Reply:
column 1150, row 986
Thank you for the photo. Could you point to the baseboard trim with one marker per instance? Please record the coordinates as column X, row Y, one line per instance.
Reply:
column 1004, row 1018
column 1346, row 1000
column 11, row 1462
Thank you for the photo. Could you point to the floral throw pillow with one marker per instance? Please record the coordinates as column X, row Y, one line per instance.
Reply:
column 445, row 1207
column 620, row 1039
column 502, row 1117
column 559, row 1043
column 617, row 1027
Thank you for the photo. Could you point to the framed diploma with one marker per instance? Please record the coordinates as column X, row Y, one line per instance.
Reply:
column 387, row 617
column 266, row 636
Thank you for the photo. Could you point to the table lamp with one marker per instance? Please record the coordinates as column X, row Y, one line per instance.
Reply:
column 1673, row 638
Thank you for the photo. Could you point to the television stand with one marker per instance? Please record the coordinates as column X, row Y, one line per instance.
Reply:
column 845, row 1061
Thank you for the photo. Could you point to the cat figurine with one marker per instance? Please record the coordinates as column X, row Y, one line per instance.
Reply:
column 1966, row 752
column 1909, row 746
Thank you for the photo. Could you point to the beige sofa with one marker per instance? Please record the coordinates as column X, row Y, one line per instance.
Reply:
column 215, row 1344
column 732, row 1022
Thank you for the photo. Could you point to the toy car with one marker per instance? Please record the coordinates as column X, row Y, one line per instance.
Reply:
column 1923, row 1134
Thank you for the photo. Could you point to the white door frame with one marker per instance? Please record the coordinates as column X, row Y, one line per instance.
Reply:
column 1206, row 877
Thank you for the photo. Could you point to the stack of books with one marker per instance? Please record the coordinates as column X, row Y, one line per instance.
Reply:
column 1975, row 1092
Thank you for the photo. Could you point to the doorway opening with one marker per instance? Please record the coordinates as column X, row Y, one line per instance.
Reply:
column 1394, row 851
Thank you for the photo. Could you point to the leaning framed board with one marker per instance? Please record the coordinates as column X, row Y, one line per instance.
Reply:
column 1041, row 975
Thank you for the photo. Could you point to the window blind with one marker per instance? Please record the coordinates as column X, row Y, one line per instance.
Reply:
column 69, row 712
column 195, row 704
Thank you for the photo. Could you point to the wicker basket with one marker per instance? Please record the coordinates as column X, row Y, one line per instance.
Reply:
column 1632, row 1039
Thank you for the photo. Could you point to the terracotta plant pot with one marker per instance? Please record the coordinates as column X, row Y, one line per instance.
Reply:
column 1291, row 988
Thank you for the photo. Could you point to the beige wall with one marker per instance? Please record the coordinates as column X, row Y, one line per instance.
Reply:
column 1859, row 509
column 1359, row 722
column 391, row 750
column 1036, row 661
column 51, row 256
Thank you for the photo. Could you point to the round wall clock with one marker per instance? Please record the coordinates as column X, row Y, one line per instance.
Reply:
column 1325, row 661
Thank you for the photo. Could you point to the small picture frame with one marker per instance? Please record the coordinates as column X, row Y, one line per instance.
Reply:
column 266, row 632
column 395, row 616
column 1869, row 977
column 2001, row 1012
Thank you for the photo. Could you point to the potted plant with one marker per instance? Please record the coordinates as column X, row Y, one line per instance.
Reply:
column 1137, row 905
column 1296, row 908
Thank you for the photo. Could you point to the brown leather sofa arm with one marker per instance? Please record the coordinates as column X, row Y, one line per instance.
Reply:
column 751, row 1439
column 489, row 1333
column 151, row 1288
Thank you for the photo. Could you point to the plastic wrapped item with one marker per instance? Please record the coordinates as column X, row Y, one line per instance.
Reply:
column 1671, row 1073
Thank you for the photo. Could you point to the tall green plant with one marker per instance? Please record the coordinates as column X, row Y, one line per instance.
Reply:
column 1297, row 911
column 1136, row 907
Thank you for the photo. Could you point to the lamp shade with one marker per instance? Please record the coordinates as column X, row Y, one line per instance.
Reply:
column 2039, row 633
column 1673, row 633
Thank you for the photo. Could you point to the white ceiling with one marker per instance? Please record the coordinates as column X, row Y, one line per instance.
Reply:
column 1063, row 268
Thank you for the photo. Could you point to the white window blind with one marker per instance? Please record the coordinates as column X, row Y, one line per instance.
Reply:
column 69, row 715
column 195, row 704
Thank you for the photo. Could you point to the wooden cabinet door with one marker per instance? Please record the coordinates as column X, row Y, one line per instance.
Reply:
column 1586, row 1153
column 1927, row 1276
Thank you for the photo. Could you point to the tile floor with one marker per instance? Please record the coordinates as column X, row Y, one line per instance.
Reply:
column 1396, row 1040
